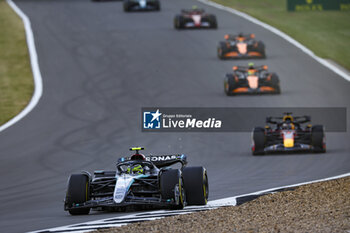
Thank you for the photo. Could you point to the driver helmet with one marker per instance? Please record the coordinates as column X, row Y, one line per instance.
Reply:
column 138, row 157
column 288, row 126
column 135, row 170
column 251, row 68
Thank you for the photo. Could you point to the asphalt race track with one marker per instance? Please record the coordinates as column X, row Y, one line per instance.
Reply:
column 101, row 65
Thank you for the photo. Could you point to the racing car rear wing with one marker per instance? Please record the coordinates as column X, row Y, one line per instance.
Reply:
column 246, row 68
column 167, row 160
column 233, row 36
column 192, row 11
column 162, row 160
column 296, row 119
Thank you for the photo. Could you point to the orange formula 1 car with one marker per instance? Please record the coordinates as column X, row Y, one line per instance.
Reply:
column 241, row 46
column 251, row 80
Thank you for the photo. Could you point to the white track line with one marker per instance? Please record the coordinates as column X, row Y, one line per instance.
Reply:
column 38, row 86
column 324, row 62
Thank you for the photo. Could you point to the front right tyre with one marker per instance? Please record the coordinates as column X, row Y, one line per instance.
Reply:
column 78, row 192
column 229, row 84
column 258, row 138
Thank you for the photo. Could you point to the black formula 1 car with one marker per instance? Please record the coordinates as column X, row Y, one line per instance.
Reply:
column 288, row 134
column 141, row 5
column 241, row 46
column 195, row 18
column 143, row 181
column 251, row 80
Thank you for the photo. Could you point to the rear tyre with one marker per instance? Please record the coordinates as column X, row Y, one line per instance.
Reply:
column 275, row 83
column 126, row 6
column 172, row 187
column 196, row 185
column 78, row 192
column 258, row 138
column 318, row 139
column 221, row 50
column 213, row 22
column 178, row 22
column 157, row 6
column 229, row 84
column 261, row 49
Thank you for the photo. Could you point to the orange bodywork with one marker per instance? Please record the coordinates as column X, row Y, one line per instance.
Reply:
column 253, row 81
column 241, row 89
column 266, row 88
column 255, row 54
column 231, row 54
column 269, row 77
column 242, row 48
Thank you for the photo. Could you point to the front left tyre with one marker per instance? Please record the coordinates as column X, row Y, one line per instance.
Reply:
column 213, row 22
column 196, row 185
column 261, row 49
column 221, row 50
column 275, row 83
column 318, row 139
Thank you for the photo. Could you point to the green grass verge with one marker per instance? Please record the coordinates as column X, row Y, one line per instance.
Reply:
column 326, row 33
column 16, row 79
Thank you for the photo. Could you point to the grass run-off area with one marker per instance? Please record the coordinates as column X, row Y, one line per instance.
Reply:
column 326, row 33
column 16, row 80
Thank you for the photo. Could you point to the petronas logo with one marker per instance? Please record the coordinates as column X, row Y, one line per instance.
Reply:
column 308, row 1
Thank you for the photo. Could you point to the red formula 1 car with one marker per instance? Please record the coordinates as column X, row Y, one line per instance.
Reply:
column 195, row 18
column 288, row 134
column 251, row 80
column 241, row 46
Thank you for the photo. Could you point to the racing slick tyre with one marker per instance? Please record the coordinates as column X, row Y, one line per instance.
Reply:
column 318, row 139
column 275, row 83
column 78, row 192
column 221, row 50
column 258, row 138
column 196, row 185
column 126, row 6
column 157, row 6
column 172, row 187
column 178, row 22
column 213, row 22
column 229, row 84
column 261, row 49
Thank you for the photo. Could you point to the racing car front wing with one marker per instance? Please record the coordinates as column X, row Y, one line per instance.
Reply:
column 298, row 147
